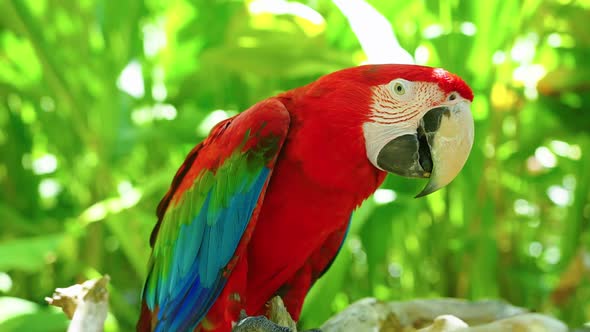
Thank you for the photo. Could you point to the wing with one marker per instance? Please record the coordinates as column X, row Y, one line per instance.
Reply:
column 203, row 218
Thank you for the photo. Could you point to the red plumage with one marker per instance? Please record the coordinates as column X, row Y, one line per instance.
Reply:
column 321, row 175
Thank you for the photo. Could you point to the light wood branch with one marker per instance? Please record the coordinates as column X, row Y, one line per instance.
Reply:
column 86, row 305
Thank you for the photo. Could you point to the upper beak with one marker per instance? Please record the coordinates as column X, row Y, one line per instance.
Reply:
column 438, row 150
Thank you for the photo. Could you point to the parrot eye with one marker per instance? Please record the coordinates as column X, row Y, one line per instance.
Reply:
column 399, row 88
column 453, row 96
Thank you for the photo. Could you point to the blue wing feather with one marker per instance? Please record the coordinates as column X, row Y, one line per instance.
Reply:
column 201, row 225
column 216, row 249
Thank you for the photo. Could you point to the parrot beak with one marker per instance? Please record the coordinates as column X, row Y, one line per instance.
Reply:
column 438, row 150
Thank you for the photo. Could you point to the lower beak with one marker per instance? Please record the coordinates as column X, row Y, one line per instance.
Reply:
column 438, row 150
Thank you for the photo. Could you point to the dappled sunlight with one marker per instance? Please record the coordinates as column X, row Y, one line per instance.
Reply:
column 44, row 164
column 525, row 208
column 5, row 282
column 131, row 80
column 384, row 196
column 154, row 39
column 144, row 115
column 212, row 119
column 281, row 7
column 127, row 197
column 374, row 32
column 49, row 188
column 545, row 157
column 559, row 195
column 564, row 149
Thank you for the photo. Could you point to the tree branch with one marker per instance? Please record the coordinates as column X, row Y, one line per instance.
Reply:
column 87, row 306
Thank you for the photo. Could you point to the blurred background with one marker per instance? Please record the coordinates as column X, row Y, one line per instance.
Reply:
column 100, row 101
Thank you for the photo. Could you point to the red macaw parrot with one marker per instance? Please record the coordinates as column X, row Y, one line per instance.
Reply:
column 261, row 206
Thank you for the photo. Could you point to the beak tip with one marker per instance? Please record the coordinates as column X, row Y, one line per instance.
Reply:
column 429, row 189
column 421, row 194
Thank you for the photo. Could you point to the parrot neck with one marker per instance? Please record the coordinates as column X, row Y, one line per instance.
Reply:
column 326, row 138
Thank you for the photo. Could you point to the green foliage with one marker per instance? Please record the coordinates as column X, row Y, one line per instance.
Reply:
column 22, row 315
column 101, row 100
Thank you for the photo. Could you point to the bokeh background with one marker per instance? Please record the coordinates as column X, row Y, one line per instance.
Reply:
column 101, row 100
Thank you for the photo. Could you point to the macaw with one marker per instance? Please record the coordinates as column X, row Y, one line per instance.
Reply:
column 262, row 206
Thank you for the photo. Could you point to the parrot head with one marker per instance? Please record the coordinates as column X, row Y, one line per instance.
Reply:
column 419, row 123
column 413, row 121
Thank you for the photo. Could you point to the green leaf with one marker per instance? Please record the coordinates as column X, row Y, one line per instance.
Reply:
column 28, row 254
column 41, row 321
column 11, row 307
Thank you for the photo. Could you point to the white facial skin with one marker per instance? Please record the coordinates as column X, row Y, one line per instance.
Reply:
column 399, row 106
